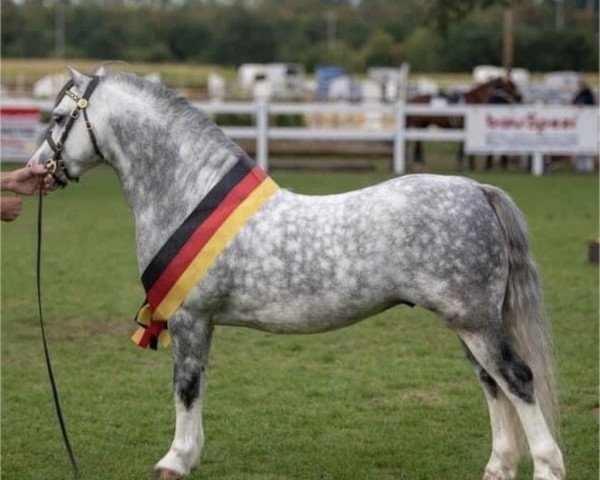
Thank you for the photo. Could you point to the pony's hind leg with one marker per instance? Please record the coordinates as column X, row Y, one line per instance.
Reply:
column 191, row 339
column 514, row 377
column 506, row 454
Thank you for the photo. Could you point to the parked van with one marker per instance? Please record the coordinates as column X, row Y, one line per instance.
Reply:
column 283, row 81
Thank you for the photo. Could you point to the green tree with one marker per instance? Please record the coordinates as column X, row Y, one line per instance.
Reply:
column 449, row 12
column 242, row 36
column 188, row 37
column 381, row 49
column 472, row 42
column 25, row 31
column 382, row 32
column 549, row 49
column 423, row 50
column 326, row 54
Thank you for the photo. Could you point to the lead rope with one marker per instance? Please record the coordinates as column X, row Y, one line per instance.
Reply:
column 59, row 414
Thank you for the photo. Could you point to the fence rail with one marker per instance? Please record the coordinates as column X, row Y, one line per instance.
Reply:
column 398, row 134
column 388, row 122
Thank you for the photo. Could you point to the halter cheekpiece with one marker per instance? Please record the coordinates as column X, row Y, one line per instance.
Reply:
column 56, row 164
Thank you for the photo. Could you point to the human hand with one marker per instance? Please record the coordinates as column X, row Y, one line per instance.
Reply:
column 10, row 208
column 28, row 180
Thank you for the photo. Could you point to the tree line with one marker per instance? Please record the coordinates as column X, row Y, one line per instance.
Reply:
column 432, row 35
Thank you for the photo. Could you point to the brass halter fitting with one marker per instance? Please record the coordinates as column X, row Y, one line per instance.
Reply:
column 51, row 166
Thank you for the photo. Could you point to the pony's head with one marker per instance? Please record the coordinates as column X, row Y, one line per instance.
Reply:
column 482, row 92
column 71, row 145
column 506, row 85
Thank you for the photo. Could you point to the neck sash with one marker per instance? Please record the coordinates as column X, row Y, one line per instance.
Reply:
column 196, row 245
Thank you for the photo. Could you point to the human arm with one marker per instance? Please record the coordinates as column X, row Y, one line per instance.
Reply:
column 26, row 180
column 10, row 208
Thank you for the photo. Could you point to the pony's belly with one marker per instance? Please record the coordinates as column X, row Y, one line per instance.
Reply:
column 301, row 315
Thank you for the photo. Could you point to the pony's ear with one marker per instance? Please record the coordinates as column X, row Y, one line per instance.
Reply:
column 100, row 71
column 78, row 78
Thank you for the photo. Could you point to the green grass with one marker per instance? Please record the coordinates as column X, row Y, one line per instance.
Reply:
column 389, row 398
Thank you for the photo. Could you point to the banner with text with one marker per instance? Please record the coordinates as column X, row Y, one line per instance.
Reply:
column 532, row 129
column 20, row 131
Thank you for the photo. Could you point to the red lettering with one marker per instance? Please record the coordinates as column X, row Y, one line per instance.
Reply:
column 530, row 121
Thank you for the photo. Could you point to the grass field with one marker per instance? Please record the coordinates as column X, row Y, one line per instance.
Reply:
column 389, row 398
column 24, row 72
column 15, row 72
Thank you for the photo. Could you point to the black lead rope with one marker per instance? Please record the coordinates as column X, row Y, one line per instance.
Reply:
column 59, row 414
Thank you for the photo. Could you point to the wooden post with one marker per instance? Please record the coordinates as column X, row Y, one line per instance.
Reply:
column 508, row 36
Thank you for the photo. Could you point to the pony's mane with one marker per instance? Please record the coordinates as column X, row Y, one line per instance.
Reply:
column 167, row 97
column 173, row 106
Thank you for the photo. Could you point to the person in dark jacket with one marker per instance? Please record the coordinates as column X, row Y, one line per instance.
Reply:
column 584, row 96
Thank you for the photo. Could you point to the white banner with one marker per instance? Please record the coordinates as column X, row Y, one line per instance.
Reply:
column 20, row 131
column 532, row 129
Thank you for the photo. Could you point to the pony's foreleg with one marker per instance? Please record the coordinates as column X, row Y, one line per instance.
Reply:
column 515, row 378
column 505, row 456
column 191, row 344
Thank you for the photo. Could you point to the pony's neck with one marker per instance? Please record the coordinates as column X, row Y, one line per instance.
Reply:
column 167, row 158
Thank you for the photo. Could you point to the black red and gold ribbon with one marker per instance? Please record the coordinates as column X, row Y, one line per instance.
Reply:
column 195, row 246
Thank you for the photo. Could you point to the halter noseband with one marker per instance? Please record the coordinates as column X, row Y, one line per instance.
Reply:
column 56, row 164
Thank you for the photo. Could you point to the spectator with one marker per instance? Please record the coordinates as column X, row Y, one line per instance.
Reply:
column 584, row 96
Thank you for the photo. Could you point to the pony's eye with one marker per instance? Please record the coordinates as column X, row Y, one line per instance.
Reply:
column 58, row 118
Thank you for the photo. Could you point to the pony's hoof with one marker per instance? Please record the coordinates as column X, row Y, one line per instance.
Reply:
column 489, row 475
column 166, row 474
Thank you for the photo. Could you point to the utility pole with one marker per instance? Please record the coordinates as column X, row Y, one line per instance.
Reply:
column 560, row 15
column 59, row 29
column 331, row 18
column 508, row 36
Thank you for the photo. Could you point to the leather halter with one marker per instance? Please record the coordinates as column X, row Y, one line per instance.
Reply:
column 56, row 164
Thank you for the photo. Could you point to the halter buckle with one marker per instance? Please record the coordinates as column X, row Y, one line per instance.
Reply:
column 82, row 103
column 75, row 113
column 51, row 166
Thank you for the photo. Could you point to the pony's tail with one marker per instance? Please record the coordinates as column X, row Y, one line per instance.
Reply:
column 523, row 312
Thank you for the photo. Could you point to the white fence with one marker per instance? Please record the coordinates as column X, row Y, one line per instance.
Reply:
column 395, row 130
column 583, row 134
column 398, row 134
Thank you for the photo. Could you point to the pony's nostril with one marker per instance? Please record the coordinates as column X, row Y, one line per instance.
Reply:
column 35, row 160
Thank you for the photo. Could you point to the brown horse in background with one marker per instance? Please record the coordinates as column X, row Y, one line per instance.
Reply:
column 497, row 91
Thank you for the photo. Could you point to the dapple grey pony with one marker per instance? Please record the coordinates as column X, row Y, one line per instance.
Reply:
column 305, row 264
